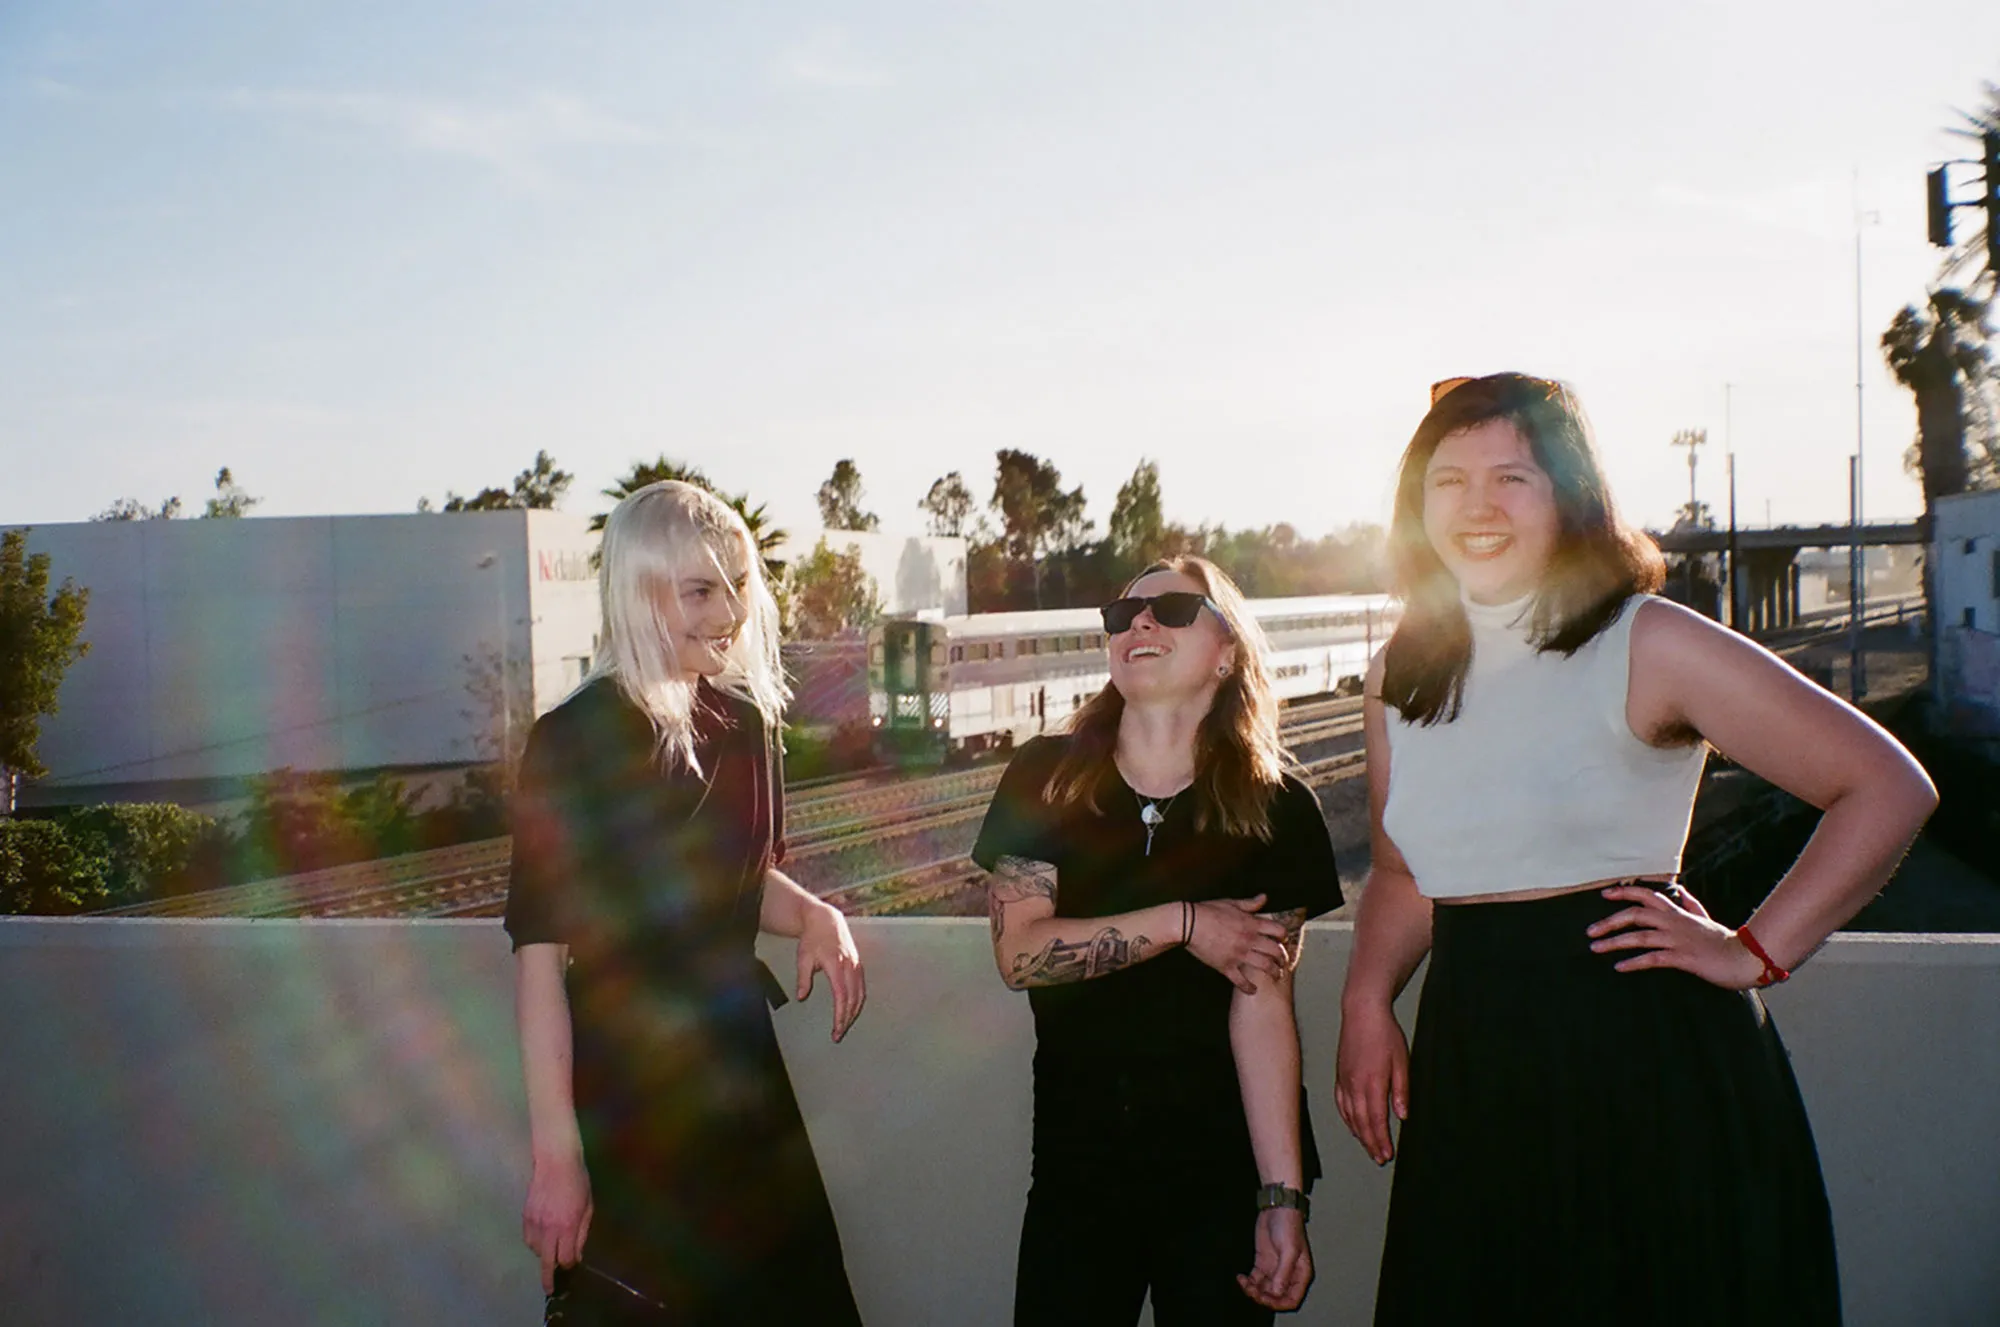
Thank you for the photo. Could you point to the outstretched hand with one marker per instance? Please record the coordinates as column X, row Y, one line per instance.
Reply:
column 1230, row 937
column 1673, row 930
column 826, row 945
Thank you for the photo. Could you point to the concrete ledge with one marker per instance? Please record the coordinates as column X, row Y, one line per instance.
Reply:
column 287, row 1122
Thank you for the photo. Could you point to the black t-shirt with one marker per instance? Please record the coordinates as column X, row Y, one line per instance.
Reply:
column 1165, row 1019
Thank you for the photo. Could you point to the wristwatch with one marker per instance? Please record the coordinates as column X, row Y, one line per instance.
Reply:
column 1283, row 1195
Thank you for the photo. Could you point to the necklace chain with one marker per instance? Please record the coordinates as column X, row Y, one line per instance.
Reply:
column 1152, row 815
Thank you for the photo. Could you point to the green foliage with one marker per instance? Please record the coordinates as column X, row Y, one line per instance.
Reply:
column 131, row 509
column 45, row 872
column 1138, row 530
column 230, row 502
column 948, row 506
column 840, row 500
column 1943, row 354
column 831, row 594
column 39, row 639
column 767, row 537
column 538, row 488
column 143, row 845
column 303, row 822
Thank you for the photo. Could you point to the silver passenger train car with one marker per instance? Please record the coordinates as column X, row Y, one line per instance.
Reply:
column 962, row 685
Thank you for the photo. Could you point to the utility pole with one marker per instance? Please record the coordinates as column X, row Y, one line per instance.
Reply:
column 1730, row 573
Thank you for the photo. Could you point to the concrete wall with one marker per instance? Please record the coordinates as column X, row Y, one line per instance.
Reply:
column 1966, row 560
column 276, row 1122
column 223, row 649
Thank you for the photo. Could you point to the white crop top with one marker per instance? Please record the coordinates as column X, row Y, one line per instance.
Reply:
column 1539, row 782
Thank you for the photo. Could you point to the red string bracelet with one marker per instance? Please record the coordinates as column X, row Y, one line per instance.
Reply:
column 1772, row 974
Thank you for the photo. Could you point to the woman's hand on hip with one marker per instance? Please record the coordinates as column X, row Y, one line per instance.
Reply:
column 1673, row 930
column 826, row 945
column 555, row 1220
column 1230, row 937
column 1284, row 1266
column 1372, row 1080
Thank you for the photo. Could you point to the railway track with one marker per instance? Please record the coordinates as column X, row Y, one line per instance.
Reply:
column 824, row 818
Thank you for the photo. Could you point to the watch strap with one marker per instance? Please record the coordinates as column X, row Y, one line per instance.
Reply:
column 1283, row 1195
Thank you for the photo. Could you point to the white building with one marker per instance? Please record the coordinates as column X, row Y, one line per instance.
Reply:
column 224, row 649
column 1965, row 558
column 915, row 575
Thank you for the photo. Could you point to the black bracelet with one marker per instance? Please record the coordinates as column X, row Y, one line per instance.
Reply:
column 1187, row 923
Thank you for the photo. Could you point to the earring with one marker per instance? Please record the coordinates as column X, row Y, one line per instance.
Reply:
column 1222, row 670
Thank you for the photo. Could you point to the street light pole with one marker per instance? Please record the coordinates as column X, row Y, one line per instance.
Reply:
column 1857, row 566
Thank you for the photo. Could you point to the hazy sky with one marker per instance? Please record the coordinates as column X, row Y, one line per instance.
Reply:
column 363, row 252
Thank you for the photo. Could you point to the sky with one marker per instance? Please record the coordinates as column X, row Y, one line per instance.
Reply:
column 363, row 253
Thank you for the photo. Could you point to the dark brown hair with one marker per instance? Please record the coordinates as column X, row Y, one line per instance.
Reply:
column 1238, row 760
column 1599, row 562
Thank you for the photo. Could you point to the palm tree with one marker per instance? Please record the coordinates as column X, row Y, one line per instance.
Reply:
column 767, row 537
column 1938, row 352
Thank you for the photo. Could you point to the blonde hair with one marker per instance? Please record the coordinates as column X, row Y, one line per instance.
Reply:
column 652, row 539
column 1239, row 760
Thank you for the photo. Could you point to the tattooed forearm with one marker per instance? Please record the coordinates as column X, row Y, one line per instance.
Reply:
column 1294, row 920
column 1014, row 880
column 1064, row 961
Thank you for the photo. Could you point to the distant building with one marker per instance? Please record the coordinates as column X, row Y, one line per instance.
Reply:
column 1965, row 557
column 225, row 649
column 915, row 575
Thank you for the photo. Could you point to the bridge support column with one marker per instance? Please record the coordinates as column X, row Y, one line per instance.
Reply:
column 1770, row 588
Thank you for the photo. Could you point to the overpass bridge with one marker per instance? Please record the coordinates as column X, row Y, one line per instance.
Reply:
column 1767, row 572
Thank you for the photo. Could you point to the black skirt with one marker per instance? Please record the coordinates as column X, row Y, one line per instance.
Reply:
column 1589, row 1146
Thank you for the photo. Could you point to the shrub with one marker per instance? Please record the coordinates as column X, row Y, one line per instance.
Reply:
column 43, row 871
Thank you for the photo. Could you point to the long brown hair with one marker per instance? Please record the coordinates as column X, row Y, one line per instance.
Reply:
column 1599, row 561
column 1238, row 760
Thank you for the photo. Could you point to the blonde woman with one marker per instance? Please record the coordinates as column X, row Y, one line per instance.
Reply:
column 1152, row 870
column 672, row 1179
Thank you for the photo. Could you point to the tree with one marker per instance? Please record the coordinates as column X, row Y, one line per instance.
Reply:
column 538, row 488
column 1037, row 516
column 1937, row 352
column 832, row 594
column 541, row 486
column 231, row 500
column 949, row 506
column 39, row 639
column 1138, row 531
column 131, row 509
column 768, row 538
column 840, row 500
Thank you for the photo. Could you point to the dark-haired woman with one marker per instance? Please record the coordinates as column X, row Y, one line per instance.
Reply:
column 1152, row 870
column 1599, row 1121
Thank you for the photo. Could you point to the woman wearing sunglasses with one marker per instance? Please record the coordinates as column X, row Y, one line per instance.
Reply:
column 672, row 1180
column 1599, row 1123
column 1152, row 869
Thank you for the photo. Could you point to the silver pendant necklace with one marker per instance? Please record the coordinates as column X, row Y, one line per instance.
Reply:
column 1152, row 815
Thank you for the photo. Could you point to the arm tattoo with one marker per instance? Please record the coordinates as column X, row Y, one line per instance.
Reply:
column 1294, row 920
column 1062, row 961
column 1014, row 880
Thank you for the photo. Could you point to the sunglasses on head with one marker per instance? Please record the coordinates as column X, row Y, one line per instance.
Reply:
column 1176, row 608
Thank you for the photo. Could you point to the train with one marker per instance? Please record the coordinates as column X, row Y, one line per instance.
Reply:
column 954, row 687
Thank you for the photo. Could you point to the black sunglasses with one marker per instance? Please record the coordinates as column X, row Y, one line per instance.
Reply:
column 1175, row 608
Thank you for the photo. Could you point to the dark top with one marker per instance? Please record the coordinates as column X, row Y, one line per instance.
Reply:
column 1163, row 1021
column 702, row 1176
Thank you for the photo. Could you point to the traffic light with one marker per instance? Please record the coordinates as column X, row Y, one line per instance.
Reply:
column 1989, row 156
column 1937, row 207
